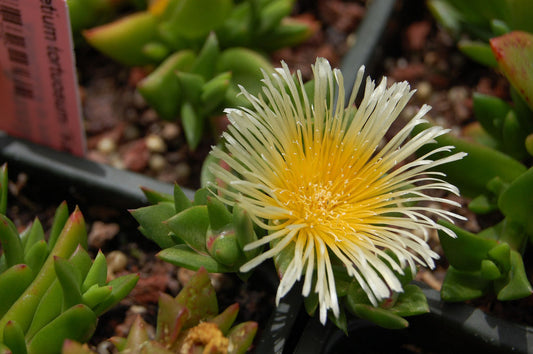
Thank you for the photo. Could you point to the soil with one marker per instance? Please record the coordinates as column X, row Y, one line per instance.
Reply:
column 124, row 132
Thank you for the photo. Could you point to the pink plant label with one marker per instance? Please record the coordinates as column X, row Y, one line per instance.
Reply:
column 39, row 98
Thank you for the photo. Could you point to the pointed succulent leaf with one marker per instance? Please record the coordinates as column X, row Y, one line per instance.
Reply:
column 170, row 319
column 16, row 279
column 77, row 323
column 516, row 203
column 36, row 256
column 214, row 91
column 154, row 197
column 60, row 219
column 244, row 231
column 199, row 297
column 34, row 234
column 517, row 285
column 123, row 40
column 193, row 124
column 189, row 18
column 241, row 337
column 151, row 221
column 121, row 287
column 514, row 53
column 48, row 308
column 161, row 88
column 225, row 319
column 14, row 338
column 219, row 215
column 11, row 243
column 200, row 196
column 191, row 226
column 272, row 14
column 410, row 302
column 204, row 64
column 184, row 256
column 97, row 274
column 70, row 279
column 138, row 335
column 513, row 136
column 467, row 250
column 463, row 285
column 490, row 111
column 478, row 51
column 96, row 295
column 181, row 200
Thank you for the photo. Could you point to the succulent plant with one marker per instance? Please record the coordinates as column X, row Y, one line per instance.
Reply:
column 498, row 177
column 148, row 37
column 55, row 290
column 199, row 233
column 187, row 323
column 198, row 86
column 201, row 52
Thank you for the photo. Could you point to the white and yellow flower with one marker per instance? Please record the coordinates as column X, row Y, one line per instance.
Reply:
column 316, row 175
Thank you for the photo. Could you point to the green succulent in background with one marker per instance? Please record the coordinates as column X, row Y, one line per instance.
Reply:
column 187, row 323
column 199, row 52
column 482, row 20
column 196, row 87
column 497, row 173
column 55, row 290
column 148, row 37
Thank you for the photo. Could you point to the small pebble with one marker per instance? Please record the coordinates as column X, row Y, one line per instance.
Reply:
column 106, row 145
column 116, row 262
column 170, row 131
column 157, row 162
column 155, row 143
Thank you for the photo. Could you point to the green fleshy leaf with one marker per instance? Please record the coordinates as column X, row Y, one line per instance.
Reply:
column 478, row 51
column 489, row 270
column 341, row 322
column 463, row 285
column 181, row 201
column 16, row 279
column 219, row 215
column 161, row 88
column 189, row 18
column 199, row 297
column 490, row 112
column 184, row 256
column 191, row 226
column 151, row 220
column 223, row 247
column 501, row 255
column 514, row 53
column 517, row 285
column 482, row 205
column 467, row 250
column 14, row 338
column 207, row 58
column 124, row 39
column 3, row 188
column 77, row 323
column 411, row 302
column 241, row 336
column 193, row 125
column 516, row 202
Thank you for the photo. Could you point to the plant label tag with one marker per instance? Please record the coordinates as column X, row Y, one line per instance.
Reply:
column 39, row 98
